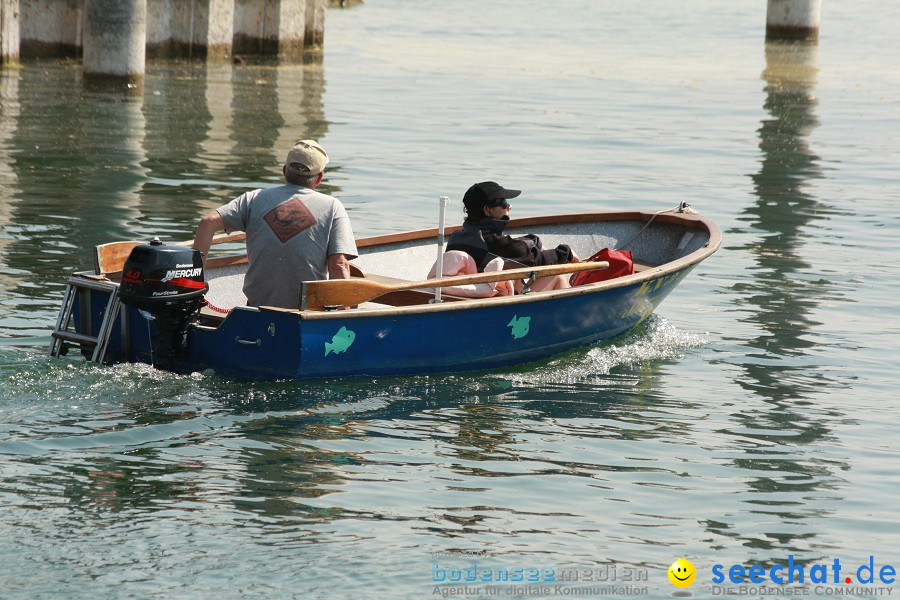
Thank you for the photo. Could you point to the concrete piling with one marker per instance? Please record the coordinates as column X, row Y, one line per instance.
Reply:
column 9, row 32
column 115, row 34
column 315, row 23
column 793, row 20
column 115, row 37
column 50, row 29
column 272, row 27
column 190, row 29
column 291, row 24
column 216, row 24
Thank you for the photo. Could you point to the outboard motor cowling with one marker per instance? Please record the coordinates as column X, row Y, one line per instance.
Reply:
column 167, row 282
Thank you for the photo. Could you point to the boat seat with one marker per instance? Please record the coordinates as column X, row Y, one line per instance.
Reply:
column 640, row 267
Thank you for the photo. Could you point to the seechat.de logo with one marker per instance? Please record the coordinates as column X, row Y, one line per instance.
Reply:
column 796, row 572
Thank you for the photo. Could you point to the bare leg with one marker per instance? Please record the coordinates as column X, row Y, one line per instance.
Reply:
column 545, row 284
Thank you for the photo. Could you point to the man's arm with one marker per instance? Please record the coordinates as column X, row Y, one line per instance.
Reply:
column 338, row 266
column 206, row 229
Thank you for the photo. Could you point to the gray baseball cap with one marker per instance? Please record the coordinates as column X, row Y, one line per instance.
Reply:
column 306, row 158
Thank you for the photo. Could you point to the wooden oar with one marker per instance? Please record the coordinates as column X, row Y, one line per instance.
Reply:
column 316, row 295
column 110, row 258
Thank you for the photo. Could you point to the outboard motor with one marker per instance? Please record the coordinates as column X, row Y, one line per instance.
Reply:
column 167, row 282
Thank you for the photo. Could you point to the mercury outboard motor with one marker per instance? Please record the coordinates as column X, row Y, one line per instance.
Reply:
column 168, row 283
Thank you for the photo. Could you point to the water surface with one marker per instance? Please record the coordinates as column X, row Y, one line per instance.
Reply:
column 753, row 418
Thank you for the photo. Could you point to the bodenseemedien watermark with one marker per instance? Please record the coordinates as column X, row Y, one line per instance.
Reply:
column 475, row 573
column 517, row 581
column 542, row 590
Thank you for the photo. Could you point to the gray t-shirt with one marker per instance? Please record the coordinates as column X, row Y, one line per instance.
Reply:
column 291, row 231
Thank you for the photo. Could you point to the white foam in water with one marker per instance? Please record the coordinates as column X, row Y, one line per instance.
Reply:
column 657, row 339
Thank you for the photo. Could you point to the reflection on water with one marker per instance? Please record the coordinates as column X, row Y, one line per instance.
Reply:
column 74, row 152
column 785, row 212
column 217, row 126
column 706, row 435
column 9, row 114
column 304, row 451
column 782, row 373
column 82, row 167
column 782, row 290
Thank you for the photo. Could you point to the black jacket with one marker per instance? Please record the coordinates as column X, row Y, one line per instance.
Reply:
column 485, row 240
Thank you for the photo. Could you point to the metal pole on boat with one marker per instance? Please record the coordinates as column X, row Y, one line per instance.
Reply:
column 439, row 265
column 793, row 20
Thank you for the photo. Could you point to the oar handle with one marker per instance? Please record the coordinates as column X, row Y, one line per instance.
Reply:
column 507, row 275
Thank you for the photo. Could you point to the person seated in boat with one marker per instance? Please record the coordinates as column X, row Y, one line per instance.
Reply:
column 294, row 233
column 457, row 262
column 482, row 236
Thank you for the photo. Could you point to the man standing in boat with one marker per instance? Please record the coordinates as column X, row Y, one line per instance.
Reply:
column 482, row 236
column 294, row 233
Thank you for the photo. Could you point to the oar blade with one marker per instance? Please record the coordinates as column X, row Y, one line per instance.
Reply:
column 110, row 257
column 335, row 293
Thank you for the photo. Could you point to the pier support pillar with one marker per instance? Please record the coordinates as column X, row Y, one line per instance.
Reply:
column 50, row 29
column 218, row 27
column 291, row 25
column 9, row 32
column 192, row 29
column 270, row 27
column 115, row 37
column 793, row 20
column 315, row 24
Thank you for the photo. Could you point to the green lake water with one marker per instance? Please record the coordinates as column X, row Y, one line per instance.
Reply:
column 752, row 419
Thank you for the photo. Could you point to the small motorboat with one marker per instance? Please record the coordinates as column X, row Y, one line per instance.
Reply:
column 384, row 320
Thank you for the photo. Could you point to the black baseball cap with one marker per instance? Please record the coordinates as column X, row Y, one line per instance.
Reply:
column 487, row 193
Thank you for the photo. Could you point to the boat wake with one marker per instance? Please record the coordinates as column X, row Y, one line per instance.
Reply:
column 620, row 364
column 656, row 339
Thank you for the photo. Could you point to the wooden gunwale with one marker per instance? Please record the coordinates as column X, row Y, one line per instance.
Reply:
column 695, row 221
column 475, row 303
column 689, row 221
column 686, row 220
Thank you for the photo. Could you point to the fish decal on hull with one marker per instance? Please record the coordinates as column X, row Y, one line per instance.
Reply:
column 520, row 326
column 342, row 340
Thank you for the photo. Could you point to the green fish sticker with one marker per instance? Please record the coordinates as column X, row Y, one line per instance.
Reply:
column 342, row 340
column 519, row 326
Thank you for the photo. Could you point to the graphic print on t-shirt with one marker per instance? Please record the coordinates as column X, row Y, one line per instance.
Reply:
column 289, row 218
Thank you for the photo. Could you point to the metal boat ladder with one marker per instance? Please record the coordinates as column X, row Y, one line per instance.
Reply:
column 79, row 285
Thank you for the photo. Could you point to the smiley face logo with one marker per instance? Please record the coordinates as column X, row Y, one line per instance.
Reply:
column 682, row 573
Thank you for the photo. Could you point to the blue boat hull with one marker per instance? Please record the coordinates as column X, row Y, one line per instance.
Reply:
column 269, row 344
column 389, row 337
